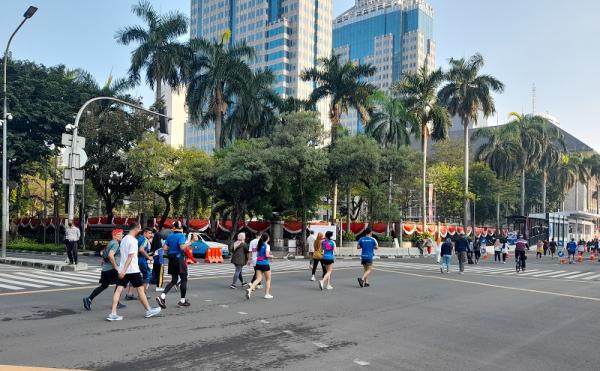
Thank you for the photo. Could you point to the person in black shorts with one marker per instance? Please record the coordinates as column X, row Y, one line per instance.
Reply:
column 129, row 273
column 175, row 246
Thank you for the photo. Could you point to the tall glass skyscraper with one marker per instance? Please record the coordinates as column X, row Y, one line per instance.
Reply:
column 289, row 36
column 395, row 36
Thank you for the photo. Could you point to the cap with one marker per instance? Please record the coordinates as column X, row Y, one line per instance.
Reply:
column 116, row 231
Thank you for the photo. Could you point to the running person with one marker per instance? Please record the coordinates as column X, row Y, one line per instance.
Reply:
column 263, row 267
column 367, row 245
column 143, row 258
column 520, row 247
column 571, row 249
column 175, row 245
column 552, row 246
column 109, row 275
column 253, row 248
column 317, row 256
column 328, row 246
column 158, row 256
column 129, row 273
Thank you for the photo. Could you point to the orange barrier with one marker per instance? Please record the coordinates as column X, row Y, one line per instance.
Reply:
column 190, row 257
column 563, row 261
column 214, row 255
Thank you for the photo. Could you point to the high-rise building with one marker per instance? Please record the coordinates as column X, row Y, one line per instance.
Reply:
column 289, row 36
column 395, row 36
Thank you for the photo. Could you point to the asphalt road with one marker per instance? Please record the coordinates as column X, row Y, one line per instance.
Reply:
column 412, row 318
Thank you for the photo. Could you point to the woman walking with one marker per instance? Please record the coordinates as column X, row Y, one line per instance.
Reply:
column 328, row 246
column 317, row 255
column 263, row 267
column 504, row 252
column 497, row 250
column 239, row 258
column 539, row 250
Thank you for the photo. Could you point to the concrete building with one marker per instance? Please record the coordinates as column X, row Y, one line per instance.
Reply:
column 175, row 108
column 289, row 36
column 395, row 36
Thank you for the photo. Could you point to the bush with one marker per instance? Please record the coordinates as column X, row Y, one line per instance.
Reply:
column 384, row 238
column 31, row 245
column 418, row 238
column 348, row 236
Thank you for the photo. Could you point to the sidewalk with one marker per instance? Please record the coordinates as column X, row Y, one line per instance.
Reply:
column 44, row 264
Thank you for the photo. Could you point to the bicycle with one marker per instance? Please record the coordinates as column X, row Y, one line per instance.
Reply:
column 519, row 262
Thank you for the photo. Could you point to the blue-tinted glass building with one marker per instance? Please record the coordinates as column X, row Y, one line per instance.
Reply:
column 395, row 36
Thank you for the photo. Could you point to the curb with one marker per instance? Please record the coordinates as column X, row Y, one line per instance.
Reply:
column 49, row 265
column 79, row 253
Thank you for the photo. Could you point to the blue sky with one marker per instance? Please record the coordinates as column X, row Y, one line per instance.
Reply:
column 550, row 43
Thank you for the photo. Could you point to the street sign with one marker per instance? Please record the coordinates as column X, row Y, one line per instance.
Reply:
column 67, row 140
column 79, row 158
column 79, row 176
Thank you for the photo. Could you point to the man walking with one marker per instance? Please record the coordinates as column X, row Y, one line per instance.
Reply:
column 310, row 241
column 367, row 245
column 110, row 274
column 571, row 249
column 72, row 235
column 553, row 247
column 129, row 273
column 143, row 259
column 175, row 245
column 461, row 246
column 446, row 255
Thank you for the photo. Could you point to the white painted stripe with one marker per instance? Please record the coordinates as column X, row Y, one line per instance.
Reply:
column 45, row 279
column 10, row 287
column 88, row 277
column 360, row 362
column 564, row 274
column 224, row 306
column 264, row 321
column 37, row 280
column 22, row 283
column 319, row 345
column 580, row 275
column 242, row 313
column 547, row 274
column 62, row 278
column 526, row 270
column 532, row 273
column 591, row 277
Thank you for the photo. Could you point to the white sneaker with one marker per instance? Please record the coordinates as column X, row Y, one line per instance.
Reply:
column 321, row 285
column 159, row 289
column 114, row 317
column 152, row 312
column 329, row 287
column 268, row 296
column 258, row 287
column 312, row 278
column 248, row 294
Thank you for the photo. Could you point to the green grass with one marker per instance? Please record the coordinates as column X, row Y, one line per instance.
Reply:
column 31, row 245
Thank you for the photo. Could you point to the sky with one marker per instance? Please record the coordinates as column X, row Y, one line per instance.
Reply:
column 552, row 44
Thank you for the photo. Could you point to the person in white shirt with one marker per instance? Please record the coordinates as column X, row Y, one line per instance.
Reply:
column 310, row 241
column 129, row 273
column 252, row 248
column 72, row 235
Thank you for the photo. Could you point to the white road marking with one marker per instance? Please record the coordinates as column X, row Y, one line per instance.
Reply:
column 591, row 277
column 224, row 306
column 564, row 274
column 207, row 300
column 547, row 274
column 288, row 332
column 10, row 287
column 60, row 278
column 580, row 275
column 529, row 273
column 320, row 345
column 34, row 278
column 22, row 283
column 361, row 363
column 264, row 321
column 242, row 313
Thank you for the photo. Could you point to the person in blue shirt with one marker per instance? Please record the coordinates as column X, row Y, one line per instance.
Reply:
column 367, row 245
column 175, row 245
column 446, row 255
column 262, row 267
column 328, row 246
column 143, row 259
column 571, row 249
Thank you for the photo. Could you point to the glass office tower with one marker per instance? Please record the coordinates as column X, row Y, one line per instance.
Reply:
column 289, row 36
column 393, row 35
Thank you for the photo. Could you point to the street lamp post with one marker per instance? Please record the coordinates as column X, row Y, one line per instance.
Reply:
column 28, row 14
column 71, row 203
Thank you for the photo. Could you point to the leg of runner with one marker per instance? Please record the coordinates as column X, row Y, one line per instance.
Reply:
column 113, row 316
column 314, row 268
column 183, row 302
column 367, row 271
column 268, row 285
column 254, row 283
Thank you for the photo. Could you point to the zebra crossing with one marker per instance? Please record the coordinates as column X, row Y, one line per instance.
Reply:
column 504, row 270
column 14, row 278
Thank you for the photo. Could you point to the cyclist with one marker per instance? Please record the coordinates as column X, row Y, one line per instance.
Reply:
column 520, row 247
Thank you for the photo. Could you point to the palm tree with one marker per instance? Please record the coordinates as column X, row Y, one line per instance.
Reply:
column 344, row 86
column 419, row 91
column 552, row 149
column 467, row 94
column 254, row 114
column 593, row 163
column 158, row 51
column 390, row 124
column 570, row 171
column 216, row 74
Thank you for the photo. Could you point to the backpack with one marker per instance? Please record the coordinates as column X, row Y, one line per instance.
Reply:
column 318, row 253
column 104, row 254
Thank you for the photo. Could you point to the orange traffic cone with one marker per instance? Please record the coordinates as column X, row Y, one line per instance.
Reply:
column 592, row 257
column 580, row 258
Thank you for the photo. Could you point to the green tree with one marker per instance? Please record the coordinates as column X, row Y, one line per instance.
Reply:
column 466, row 95
column 158, row 51
column 390, row 123
column 419, row 90
column 344, row 86
column 242, row 179
column 448, row 184
column 167, row 171
column 254, row 114
column 449, row 150
column 216, row 74
column 298, row 162
column 107, row 168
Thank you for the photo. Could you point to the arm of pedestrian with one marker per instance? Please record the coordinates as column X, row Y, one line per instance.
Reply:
column 127, row 263
column 111, row 258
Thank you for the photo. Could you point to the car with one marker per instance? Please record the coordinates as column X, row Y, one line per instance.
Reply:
column 200, row 247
